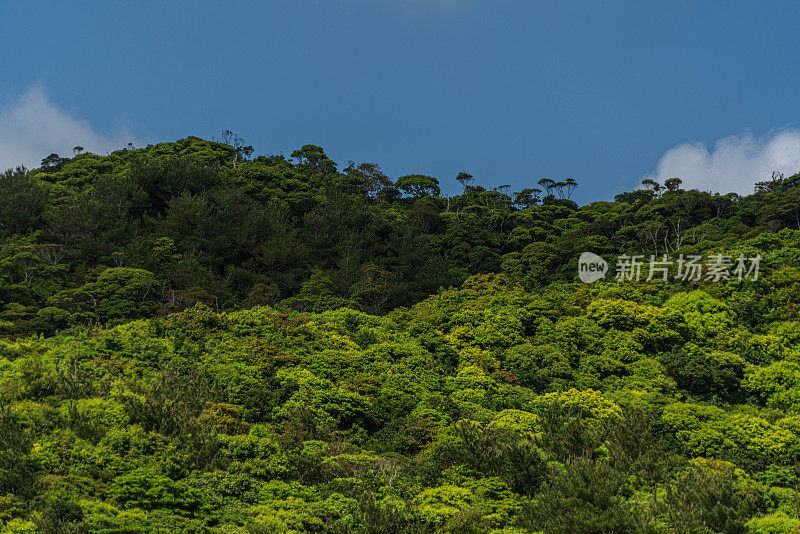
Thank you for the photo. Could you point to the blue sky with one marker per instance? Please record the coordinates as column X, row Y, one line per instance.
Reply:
column 511, row 91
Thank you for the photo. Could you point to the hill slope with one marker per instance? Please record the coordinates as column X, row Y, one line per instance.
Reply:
column 106, row 239
column 485, row 408
column 194, row 341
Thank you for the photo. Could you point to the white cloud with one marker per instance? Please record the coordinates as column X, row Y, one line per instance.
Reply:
column 735, row 163
column 34, row 127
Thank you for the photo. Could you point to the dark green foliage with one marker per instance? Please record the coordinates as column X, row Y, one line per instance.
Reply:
column 213, row 226
column 500, row 453
column 16, row 467
column 23, row 200
column 706, row 375
column 58, row 514
column 711, row 499
column 584, row 496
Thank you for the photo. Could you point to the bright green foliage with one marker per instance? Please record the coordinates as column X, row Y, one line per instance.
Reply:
column 775, row 523
column 194, row 341
column 458, row 413
column 777, row 384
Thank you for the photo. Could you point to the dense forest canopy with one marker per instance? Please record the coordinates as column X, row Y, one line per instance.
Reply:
column 100, row 240
column 193, row 339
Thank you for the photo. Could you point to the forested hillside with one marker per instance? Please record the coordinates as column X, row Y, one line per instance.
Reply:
column 99, row 240
column 195, row 340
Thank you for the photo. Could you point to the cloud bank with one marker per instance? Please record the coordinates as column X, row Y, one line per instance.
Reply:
column 735, row 163
column 34, row 127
